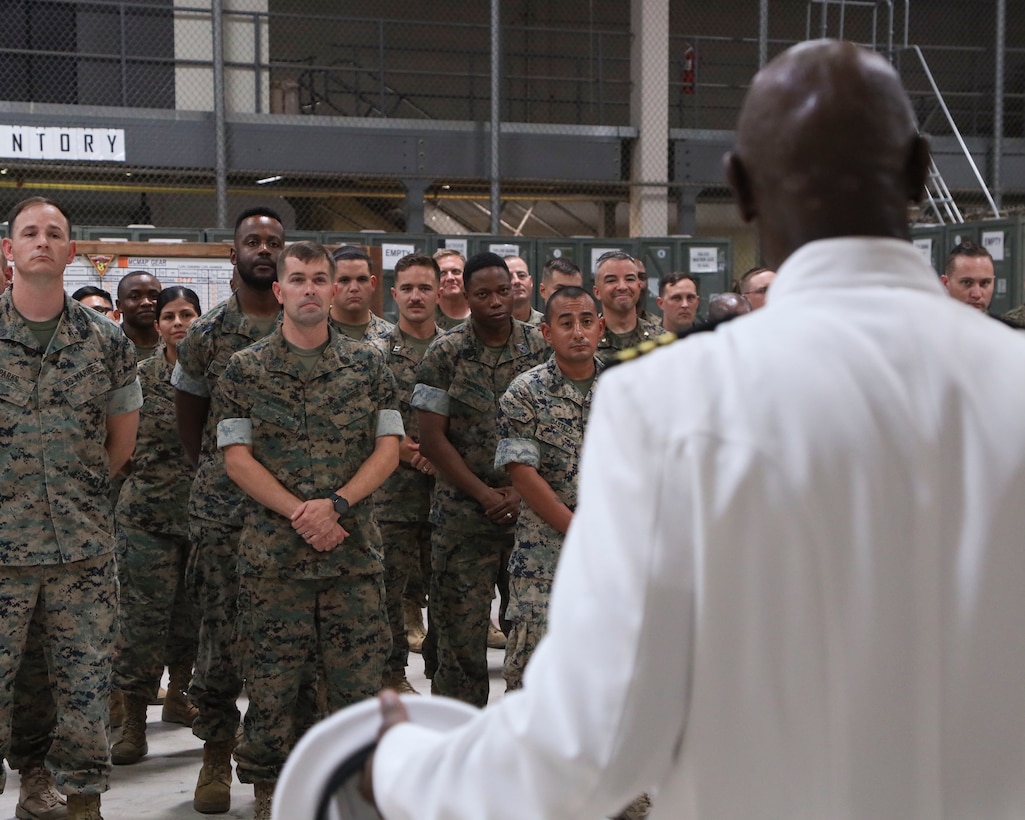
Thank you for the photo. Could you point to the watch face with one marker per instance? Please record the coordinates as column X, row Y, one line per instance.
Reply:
column 340, row 504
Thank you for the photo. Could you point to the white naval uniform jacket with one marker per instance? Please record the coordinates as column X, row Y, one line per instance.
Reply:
column 795, row 583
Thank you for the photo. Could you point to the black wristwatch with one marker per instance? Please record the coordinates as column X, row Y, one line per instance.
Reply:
column 340, row 504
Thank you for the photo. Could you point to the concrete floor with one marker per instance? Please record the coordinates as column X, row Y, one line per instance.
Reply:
column 160, row 786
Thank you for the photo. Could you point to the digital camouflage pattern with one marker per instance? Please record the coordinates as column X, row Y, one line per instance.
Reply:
column 377, row 329
column 155, row 496
column 216, row 510
column 462, row 379
column 351, row 637
column 54, row 493
column 541, row 422
column 312, row 432
column 1016, row 316
column 402, row 543
column 34, row 721
column 406, row 495
column 211, row 578
column 610, row 344
column 536, row 317
column 300, row 610
column 466, row 569
column 78, row 609
column 402, row 505
column 528, row 613
column 444, row 321
column 202, row 357
column 158, row 621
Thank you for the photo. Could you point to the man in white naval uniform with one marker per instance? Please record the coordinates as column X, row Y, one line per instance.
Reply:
column 807, row 574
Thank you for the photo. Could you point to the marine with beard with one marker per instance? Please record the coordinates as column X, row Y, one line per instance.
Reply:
column 216, row 505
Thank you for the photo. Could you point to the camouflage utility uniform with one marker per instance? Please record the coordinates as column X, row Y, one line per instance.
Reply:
column 216, row 510
column 57, row 541
column 541, row 423
column 446, row 322
column 377, row 329
column 402, row 506
column 312, row 432
column 611, row 343
column 158, row 620
column 462, row 379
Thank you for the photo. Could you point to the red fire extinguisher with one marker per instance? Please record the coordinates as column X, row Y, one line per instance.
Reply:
column 689, row 64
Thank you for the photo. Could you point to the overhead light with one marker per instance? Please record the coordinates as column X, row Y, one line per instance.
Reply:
column 445, row 187
column 3, row 170
column 266, row 180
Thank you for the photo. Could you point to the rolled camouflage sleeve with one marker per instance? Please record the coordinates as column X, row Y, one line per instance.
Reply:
column 518, row 451
column 517, row 443
column 430, row 398
column 234, row 431
column 389, row 423
column 434, row 376
column 125, row 399
column 180, row 380
column 126, row 396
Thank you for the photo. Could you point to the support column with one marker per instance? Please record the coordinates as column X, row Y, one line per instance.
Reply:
column 649, row 113
column 687, row 211
column 413, row 204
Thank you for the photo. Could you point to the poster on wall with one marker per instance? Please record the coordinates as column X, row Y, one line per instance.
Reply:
column 209, row 277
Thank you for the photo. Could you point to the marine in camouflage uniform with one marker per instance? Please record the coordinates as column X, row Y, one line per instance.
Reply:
column 402, row 506
column 158, row 621
column 541, row 423
column 612, row 343
column 312, row 430
column 377, row 329
column 462, row 379
column 57, row 542
column 216, row 511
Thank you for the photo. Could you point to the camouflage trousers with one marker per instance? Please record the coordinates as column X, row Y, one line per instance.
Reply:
column 76, row 608
column 286, row 625
column 528, row 617
column 466, row 569
column 35, row 711
column 211, row 580
column 403, row 542
column 158, row 620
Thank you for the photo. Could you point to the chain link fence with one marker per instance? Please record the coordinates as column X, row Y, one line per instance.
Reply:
column 378, row 119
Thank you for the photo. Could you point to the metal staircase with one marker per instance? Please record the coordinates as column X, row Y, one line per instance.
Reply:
column 938, row 197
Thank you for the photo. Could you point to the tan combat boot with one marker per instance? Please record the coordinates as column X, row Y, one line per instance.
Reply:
column 398, row 682
column 38, row 798
column 177, row 708
column 117, row 709
column 84, row 807
column 264, row 799
column 213, row 789
column 415, row 632
column 131, row 747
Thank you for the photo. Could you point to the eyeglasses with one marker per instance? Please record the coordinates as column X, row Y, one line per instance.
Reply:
column 760, row 291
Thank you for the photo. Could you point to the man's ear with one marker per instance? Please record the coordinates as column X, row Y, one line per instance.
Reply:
column 916, row 171
column 740, row 182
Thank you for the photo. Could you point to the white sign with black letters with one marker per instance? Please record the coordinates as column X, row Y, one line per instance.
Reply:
column 390, row 254
column 993, row 241
column 71, row 144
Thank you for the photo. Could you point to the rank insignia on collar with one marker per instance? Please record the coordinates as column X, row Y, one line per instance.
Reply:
column 521, row 348
column 397, row 349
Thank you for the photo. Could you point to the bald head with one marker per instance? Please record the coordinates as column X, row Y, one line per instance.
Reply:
column 826, row 147
column 725, row 305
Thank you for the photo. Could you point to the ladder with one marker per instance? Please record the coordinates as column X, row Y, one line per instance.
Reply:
column 938, row 197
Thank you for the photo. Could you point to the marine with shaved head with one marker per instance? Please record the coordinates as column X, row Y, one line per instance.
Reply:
column 807, row 575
